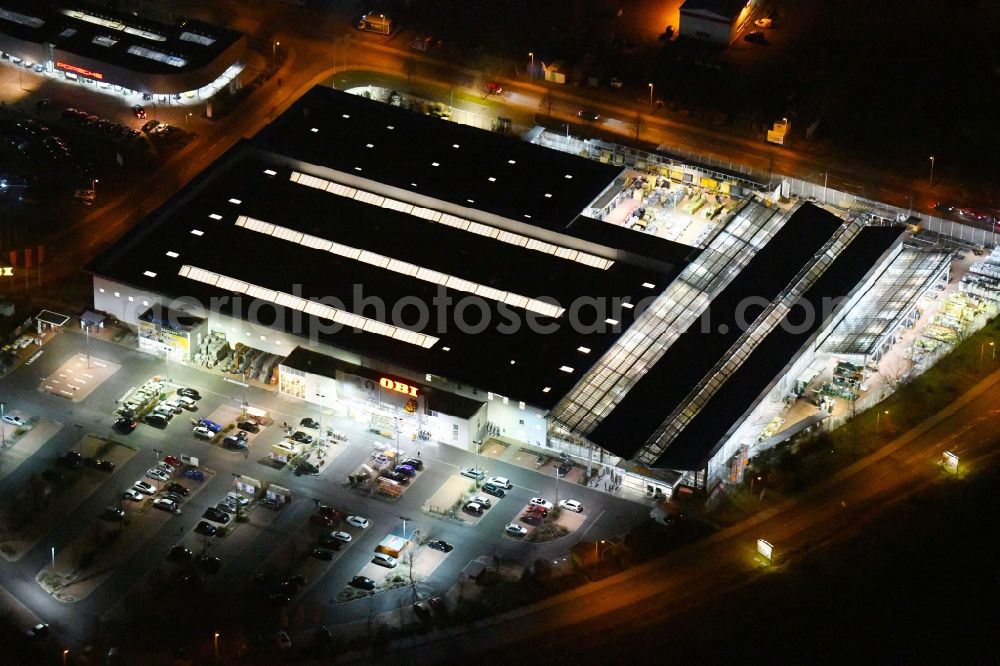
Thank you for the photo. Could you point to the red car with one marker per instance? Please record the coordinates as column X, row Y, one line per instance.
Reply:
column 172, row 460
column 329, row 512
column 493, row 88
column 321, row 520
column 138, row 111
column 539, row 510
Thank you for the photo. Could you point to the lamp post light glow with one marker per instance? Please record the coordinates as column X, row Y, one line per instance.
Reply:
column 932, row 171
column 765, row 550
column 878, row 417
column 650, row 97
column 531, row 72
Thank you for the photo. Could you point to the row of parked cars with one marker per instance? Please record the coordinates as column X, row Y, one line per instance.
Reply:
column 88, row 120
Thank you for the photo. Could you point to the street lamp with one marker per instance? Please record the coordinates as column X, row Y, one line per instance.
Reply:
column 982, row 350
column 878, row 417
column 274, row 51
column 215, row 646
column 932, row 171
column 650, row 97
column 53, row 550
column 187, row 117
column 65, row 654
column 531, row 72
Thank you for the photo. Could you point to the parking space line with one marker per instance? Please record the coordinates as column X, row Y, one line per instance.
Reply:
column 592, row 523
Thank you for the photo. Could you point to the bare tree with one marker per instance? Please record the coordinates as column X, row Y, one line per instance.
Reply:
column 896, row 374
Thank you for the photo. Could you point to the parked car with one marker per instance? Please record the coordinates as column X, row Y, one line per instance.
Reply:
column 515, row 530
column 157, row 420
column 236, row 497
column 206, row 528
column 165, row 504
column 202, row 431
column 209, row 564
column 398, row 477
column 172, row 460
column 150, row 125
column 52, row 476
column 10, row 419
column 322, row 521
column 408, row 470
column 125, row 426
column 415, row 463
column 144, row 487
column 189, row 393
column 166, row 467
column 174, row 496
column 531, row 518
column 302, row 437
column 113, row 513
column 211, row 425
column 248, row 426
column 327, row 541
column 440, row 544
column 362, row 583
column 132, row 494
column 358, row 521
column 97, row 463
column 473, row 508
column 341, row 536
column 269, row 503
column 329, row 511
column 216, row 515
column 187, row 403
column 474, row 473
column 309, row 423
column 384, row 560
column 501, row 481
column 484, row 501
column 157, row 474
column 39, row 631
column 571, row 505
column 540, row 511
column 71, row 459
column 538, row 501
column 322, row 554
column 179, row 554
column 588, row 114
column 493, row 489
column 195, row 474
column 231, row 441
column 756, row 37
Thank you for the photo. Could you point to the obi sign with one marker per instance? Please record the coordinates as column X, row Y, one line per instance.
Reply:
column 398, row 387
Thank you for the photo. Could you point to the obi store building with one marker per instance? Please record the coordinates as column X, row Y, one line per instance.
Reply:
column 318, row 241
column 118, row 53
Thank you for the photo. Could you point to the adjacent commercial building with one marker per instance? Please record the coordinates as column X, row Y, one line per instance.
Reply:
column 442, row 282
column 86, row 43
column 716, row 21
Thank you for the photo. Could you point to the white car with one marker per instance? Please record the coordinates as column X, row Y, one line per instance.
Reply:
column 515, row 530
column 236, row 497
column 165, row 504
column 166, row 467
column 144, row 487
column 341, row 536
column 132, row 494
column 202, row 431
column 476, row 473
column 157, row 474
column 358, row 521
column 13, row 420
column 571, row 505
column 483, row 501
column 384, row 560
column 538, row 501
column 501, row 481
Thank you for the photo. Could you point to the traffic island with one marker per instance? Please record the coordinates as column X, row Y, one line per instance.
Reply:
column 448, row 500
column 557, row 524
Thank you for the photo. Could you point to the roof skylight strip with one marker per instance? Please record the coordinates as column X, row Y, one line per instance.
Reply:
column 339, row 316
column 22, row 19
column 401, row 267
column 453, row 221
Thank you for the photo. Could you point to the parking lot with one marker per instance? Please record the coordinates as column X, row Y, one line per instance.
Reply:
column 278, row 545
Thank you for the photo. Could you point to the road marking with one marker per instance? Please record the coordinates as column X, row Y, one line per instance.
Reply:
column 592, row 523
